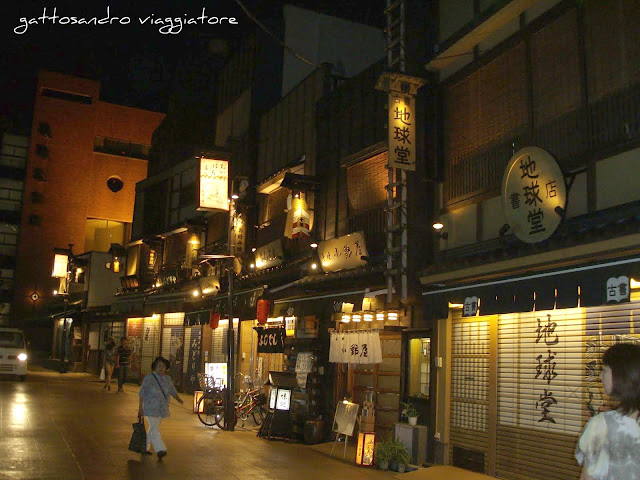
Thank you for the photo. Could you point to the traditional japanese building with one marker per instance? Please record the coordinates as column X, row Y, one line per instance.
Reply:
column 539, row 216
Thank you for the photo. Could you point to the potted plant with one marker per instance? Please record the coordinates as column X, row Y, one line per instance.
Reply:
column 400, row 457
column 410, row 412
column 383, row 451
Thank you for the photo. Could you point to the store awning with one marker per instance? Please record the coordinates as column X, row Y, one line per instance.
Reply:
column 244, row 304
column 133, row 303
column 318, row 304
column 200, row 317
column 584, row 285
column 165, row 302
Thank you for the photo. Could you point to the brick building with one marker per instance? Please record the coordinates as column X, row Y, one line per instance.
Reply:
column 85, row 157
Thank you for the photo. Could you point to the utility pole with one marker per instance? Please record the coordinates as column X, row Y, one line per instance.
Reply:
column 65, row 297
column 229, row 403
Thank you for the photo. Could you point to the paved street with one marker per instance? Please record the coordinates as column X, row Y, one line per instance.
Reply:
column 67, row 427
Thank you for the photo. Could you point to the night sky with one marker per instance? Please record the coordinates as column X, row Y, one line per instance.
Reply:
column 137, row 64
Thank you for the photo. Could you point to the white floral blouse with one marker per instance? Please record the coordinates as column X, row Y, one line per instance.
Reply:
column 609, row 446
column 155, row 401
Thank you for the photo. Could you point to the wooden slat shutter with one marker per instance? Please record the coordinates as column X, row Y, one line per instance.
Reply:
column 469, row 392
column 547, row 369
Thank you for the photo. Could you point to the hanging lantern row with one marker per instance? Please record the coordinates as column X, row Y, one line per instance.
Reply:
column 380, row 316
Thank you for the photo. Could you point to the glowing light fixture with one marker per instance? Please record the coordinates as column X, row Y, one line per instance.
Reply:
column 346, row 318
column 356, row 317
column 195, row 293
column 438, row 226
column 368, row 317
column 380, row 316
column 365, row 448
column 314, row 245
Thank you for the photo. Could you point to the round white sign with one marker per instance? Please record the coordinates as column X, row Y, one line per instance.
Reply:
column 533, row 188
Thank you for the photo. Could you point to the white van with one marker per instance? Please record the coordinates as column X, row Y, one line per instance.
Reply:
column 13, row 352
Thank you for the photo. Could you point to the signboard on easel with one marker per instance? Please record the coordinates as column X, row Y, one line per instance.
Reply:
column 344, row 422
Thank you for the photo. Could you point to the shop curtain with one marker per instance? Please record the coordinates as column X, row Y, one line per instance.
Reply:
column 361, row 347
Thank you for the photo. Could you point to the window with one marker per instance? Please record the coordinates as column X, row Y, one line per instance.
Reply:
column 100, row 234
column 123, row 148
column 68, row 96
column 419, row 366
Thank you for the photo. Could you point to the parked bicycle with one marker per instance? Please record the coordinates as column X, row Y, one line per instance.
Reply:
column 212, row 396
column 251, row 402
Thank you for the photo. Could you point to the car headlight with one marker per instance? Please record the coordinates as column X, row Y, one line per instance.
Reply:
column 22, row 357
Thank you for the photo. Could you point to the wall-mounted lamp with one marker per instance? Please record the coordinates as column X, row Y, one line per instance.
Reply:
column 253, row 249
column 314, row 266
column 196, row 293
column 314, row 245
column 439, row 233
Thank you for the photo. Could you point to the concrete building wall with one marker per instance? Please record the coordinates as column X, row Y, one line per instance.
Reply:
column 322, row 38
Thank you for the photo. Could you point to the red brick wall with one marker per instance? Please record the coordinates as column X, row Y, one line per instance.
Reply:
column 76, row 179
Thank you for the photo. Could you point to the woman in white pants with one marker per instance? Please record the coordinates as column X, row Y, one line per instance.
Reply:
column 155, row 392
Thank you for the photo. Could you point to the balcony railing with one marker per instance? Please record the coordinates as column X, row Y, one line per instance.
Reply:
column 607, row 124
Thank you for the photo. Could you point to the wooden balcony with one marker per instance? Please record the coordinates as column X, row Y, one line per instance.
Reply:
column 610, row 124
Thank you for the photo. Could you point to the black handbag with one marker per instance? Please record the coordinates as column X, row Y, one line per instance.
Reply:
column 138, row 442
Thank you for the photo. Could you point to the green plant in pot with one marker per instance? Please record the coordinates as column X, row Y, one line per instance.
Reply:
column 411, row 412
column 400, row 457
column 383, row 452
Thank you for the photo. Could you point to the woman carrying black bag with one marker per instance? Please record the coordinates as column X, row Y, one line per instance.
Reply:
column 155, row 392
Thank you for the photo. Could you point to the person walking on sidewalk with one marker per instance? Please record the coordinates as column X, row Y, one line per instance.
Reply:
column 124, row 354
column 110, row 354
column 155, row 393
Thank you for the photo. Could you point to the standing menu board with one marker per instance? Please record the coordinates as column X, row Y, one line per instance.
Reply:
column 194, row 359
column 345, row 420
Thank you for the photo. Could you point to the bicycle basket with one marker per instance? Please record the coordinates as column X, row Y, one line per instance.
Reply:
column 261, row 399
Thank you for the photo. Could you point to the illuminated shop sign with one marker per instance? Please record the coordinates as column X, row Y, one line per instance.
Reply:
column 402, row 131
column 214, row 184
column 269, row 255
column 343, row 253
column 534, row 194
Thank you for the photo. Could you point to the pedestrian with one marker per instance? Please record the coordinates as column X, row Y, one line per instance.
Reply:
column 609, row 445
column 109, row 362
column 122, row 362
column 155, row 393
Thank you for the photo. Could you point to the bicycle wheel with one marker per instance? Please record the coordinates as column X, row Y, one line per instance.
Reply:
column 207, row 409
column 259, row 413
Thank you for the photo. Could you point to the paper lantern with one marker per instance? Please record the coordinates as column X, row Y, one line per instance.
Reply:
column 262, row 313
column 196, row 398
column 366, row 448
column 214, row 319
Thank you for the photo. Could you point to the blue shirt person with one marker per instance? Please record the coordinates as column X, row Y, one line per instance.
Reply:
column 155, row 393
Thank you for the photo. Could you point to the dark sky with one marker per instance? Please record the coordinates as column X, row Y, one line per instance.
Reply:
column 137, row 64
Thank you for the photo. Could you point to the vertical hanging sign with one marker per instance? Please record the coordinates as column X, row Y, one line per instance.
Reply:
column 214, row 184
column 402, row 133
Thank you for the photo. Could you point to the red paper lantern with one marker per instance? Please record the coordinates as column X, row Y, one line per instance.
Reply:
column 214, row 319
column 262, row 311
